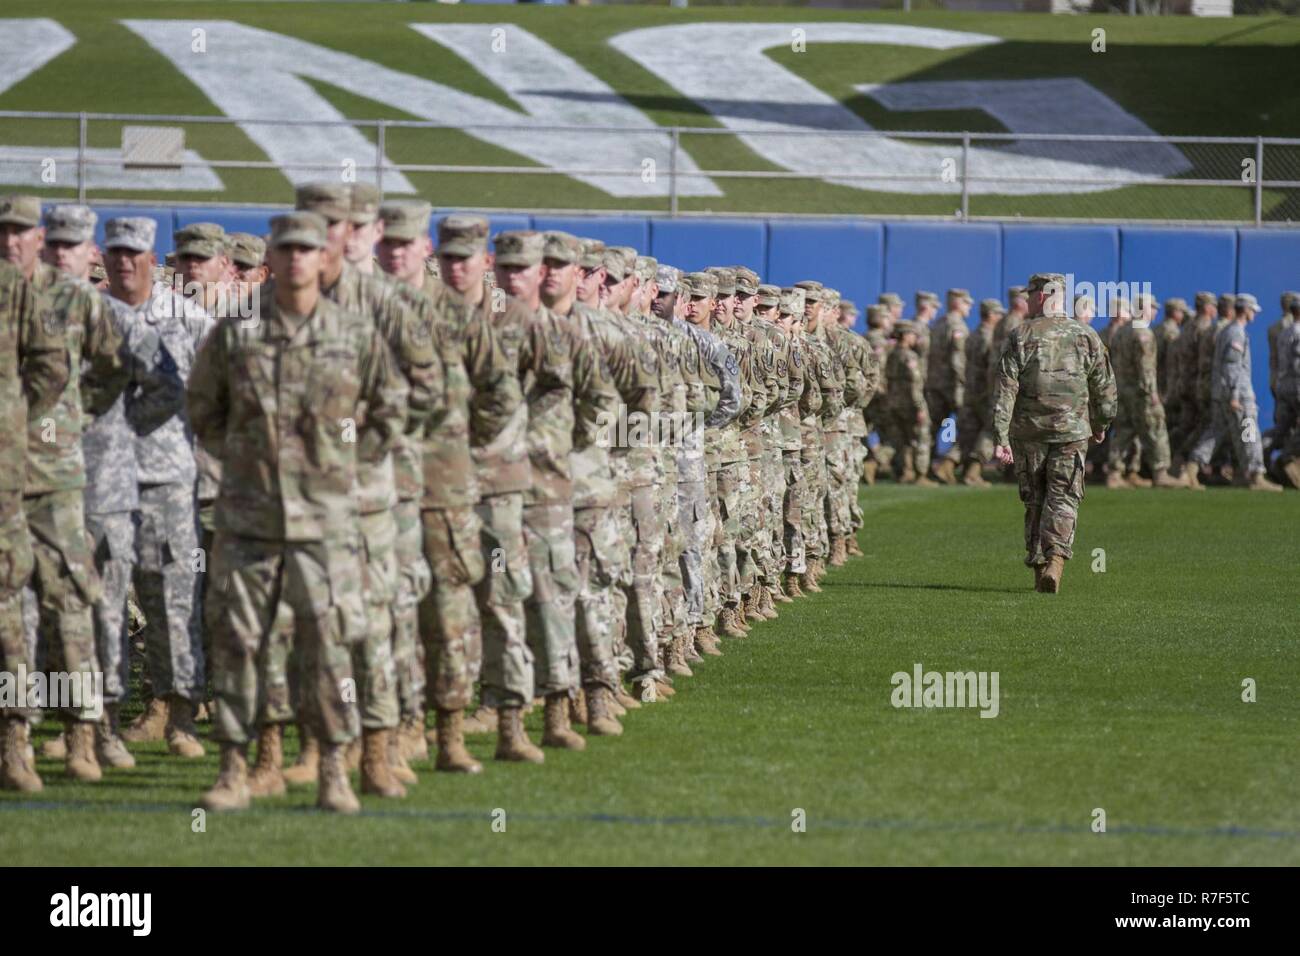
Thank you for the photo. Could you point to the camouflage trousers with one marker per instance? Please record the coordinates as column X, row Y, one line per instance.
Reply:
column 113, row 540
column 64, row 587
column 735, row 557
column 448, row 615
column 770, row 488
column 974, row 433
column 641, row 524
column 911, row 436
column 840, row 480
column 709, row 557
column 1139, row 420
column 1240, row 430
column 857, row 457
column 694, row 517
column 1286, row 426
column 813, row 509
column 372, row 658
column 1191, row 425
column 258, row 585
column 549, row 612
column 750, row 549
column 879, row 420
column 507, row 658
column 792, row 513
column 940, row 406
column 16, row 564
column 674, row 614
column 1051, row 487
column 601, row 561
column 414, row 581
column 166, row 585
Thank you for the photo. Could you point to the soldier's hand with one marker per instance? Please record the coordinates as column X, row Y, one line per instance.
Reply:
column 1235, row 405
column 1003, row 455
column 1098, row 437
column 920, row 417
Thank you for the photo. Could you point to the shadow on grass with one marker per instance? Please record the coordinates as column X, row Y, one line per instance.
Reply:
column 924, row 587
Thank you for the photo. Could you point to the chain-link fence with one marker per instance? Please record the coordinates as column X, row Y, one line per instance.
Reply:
column 679, row 171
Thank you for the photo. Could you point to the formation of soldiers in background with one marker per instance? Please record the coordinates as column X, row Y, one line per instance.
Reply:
column 559, row 472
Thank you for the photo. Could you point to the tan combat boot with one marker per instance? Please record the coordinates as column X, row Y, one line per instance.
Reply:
column 1191, row 476
column 1038, row 576
column 854, row 549
column 334, row 793
column 307, row 768
column 1116, row 480
column 1160, row 478
column 925, row 481
column 730, row 625
column 792, row 587
column 109, row 749
column 376, row 775
column 1137, row 481
column 869, row 469
column 452, row 755
column 706, row 642
column 946, row 471
column 676, row 663
column 664, row 689
column 689, row 652
column 150, row 725
column 267, row 776
column 1292, row 471
column 81, row 761
column 578, row 708
column 808, row 580
column 411, row 739
column 182, row 736
column 557, row 732
column 625, row 700
column 482, row 721
column 907, row 474
column 753, row 604
column 839, row 551
column 1050, row 582
column 397, row 765
column 512, row 739
column 973, row 476
column 17, row 771
column 1260, row 482
column 766, row 606
column 56, row 748
column 231, row 791
column 352, row 755
column 600, row 721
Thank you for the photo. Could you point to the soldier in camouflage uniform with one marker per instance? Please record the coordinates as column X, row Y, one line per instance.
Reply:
column 1141, row 415
column 601, row 556
column 1187, row 355
column 790, row 310
column 974, row 427
column 565, row 386
column 34, row 372
column 946, row 378
column 481, row 397
column 905, row 402
column 1054, row 392
column 64, row 583
column 825, row 391
column 288, row 522
column 1113, row 336
column 1236, row 416
column 862, row 357
column 841, row 476
column 1274, row 335
column 880, row 326
column 1286, row 414
column 1167, row 333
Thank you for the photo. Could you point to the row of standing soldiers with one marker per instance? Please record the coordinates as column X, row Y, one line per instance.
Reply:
column 353, row 480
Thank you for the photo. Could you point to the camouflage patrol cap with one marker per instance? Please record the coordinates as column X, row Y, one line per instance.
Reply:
column 364, row 208
column 614, row 263
column 905, row 326
column 1289, row 299
column 812, row 290
column 70, row 223
column 1227, row 302
column 667, row 277
column 561, row 246
column 1017, row 292
column 246, row 249
column 848, row 305
column 169, row 259
column 333, row 201
column 98, row 273
column 405, row 221
column 461, row 234
column 593, row 254
column 1247, row 301
column 891, row 299
column 959, row 294
column 1040, row 280
column 767, row 294
column 629, row 257
column 992, row 307
column 646, row 268
column 1205, row 298
column 877, row 315
column 746, row 280
column 926, row 296
column 726, row 279
column 299, row 228
column 699, row 285
column 519, row 247
column 793, row 300
column 20, row 211
column 832, row 298
column 1174, row 305
column 130, row 232
column 200, row 240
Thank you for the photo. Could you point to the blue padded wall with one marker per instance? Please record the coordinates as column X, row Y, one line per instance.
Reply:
column 611, row 230
column 1268, row 264
column 848, row 256
column 694, row 244
column 1088, row 253
column 939, row 257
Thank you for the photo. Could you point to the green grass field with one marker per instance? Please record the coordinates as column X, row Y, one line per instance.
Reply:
column 1123, row 692
column 1180, row 75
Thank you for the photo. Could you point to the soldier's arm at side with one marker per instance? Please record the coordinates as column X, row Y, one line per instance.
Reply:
column 1006, row 387
column 109, row 369
column 384, row 394
column 728, row 372
column 419, row 362
column 43, row 354
column 1102, row 395
column 497, row 392
column 207, row 397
